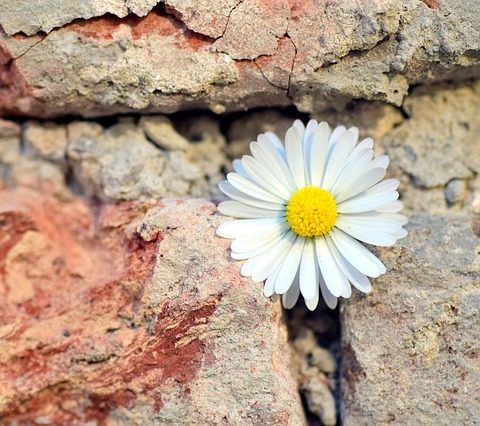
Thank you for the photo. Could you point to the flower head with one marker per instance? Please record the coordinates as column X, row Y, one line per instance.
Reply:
column 302, row 209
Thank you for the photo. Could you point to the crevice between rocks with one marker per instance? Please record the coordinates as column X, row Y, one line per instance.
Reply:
column 315, row 341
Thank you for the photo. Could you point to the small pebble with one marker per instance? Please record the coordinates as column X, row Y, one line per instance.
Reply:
column 456, row 191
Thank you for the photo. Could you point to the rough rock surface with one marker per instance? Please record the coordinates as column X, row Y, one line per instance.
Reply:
column 411, row 349
column 121, row 164
column 121, row 161
column 431, row 140
column 444, row 140
column 26, row 167
column 133, row 313
column 96, row 58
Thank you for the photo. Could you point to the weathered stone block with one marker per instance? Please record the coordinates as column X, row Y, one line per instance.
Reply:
column 411, row 349
column 133, row 313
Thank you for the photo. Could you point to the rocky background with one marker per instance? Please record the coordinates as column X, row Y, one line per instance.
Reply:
column 119, row 305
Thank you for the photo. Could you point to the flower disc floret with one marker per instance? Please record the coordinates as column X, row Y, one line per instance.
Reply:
column 311, row 211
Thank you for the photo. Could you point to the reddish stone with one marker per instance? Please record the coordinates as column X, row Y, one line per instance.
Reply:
column 107, row 309
column 190, row 55
column 103, row 27
column 432, row 4
column 277, row 68
column 13, row 86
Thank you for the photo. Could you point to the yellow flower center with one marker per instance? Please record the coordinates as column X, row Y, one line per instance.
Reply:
column 311, row 211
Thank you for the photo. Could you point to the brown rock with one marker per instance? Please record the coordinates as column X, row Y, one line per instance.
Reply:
column 159, row 129
column 439, row 132
column 410, row 348
column 207, row 151
column 314, row 54
column 120, row 163
column 42, row 169
column 16, row 16
column 9, row 128
column 47, row 141
column 253, row 28
column 314, row 363
column 204, row 17
column 133, row 313
column 277, row 67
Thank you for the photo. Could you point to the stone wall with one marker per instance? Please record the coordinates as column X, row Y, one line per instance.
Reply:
column 118, row 305
column 101, row 58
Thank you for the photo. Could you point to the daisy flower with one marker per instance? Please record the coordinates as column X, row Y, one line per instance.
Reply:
column 303, row 209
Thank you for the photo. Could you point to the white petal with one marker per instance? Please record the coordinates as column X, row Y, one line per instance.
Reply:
column 308, row 276
column 400, row 233
column 393, row 207
column 307, row 148
column 366, row 202
column 253, row 189
column 336, row 282
column 364, row 144
column 388, row 185
column 362, row 183
column 329, row 298
column 354, row 132
column 336, row 159
column 335, row 136
column 229, row 190
column 359, row 280
column 299, row 126
column 261, row 266
column 261, row 175
column 383, row 161
column 294, row 150
column 289, row 267
column 319, row 151
column 313, row 302
column 367, row 235
column 251, row 241
column 385, row 221
column 271, row 156
column 310, row 129
column 356, row 254
column 242, row 227
column 273, row 138
column 269, row 288
column 240, row 210
column 289, row 299
column 253, row 245
column 238, row 167
column 355, row 166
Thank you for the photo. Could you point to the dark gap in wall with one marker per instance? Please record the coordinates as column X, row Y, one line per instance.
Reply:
column 106, row 121
column 325, row 324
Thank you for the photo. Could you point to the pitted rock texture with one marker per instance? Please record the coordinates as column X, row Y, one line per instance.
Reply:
column 132, row 313
column 128, row 160
column 99, row 59
column 410, row 348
